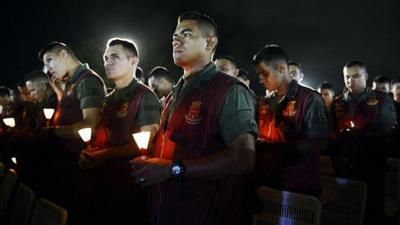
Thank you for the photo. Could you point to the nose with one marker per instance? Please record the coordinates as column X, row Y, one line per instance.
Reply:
column 176, row 41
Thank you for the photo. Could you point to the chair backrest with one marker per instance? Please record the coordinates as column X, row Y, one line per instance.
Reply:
column 287, row 208
column 326, row 166
column 23, row 203
column 392, row 186
column 7, row 186
column 48, row 213
column 343, row 201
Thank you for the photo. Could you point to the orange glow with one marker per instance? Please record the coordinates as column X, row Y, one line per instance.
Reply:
column 9, row 121
column 48, row 113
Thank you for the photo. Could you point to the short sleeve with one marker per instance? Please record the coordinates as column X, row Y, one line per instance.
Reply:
column 237, row 115
column 149, row 110
column 315, row 117
column 91, row 93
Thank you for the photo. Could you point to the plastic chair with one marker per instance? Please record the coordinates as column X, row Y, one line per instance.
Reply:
column 23, row 203
column 392, row 187
column 326, row 166
column 49, row 213
column 7, row 186
column 343, row 201
column 287, row 208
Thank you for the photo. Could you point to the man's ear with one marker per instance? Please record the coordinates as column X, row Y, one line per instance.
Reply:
column 211, row 42
column 135, row 60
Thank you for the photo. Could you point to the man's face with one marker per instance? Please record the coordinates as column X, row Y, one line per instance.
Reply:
column 396, row 91
column 117, row 63
column 296, row 73
column 383, row 87
column 55, row 63
column 355, row 79
column 160, row 86
column 327, row 95
column 188, row 43
column 269, row 77
column 226, row 66
column 37, row 90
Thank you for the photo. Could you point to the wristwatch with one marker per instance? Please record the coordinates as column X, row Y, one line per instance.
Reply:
column 177, row 169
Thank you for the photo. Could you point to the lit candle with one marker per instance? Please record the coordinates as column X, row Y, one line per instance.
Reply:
column 142, row 140
column 9, row 121
column 86, row 135
column 14, row 160
column 48, row 113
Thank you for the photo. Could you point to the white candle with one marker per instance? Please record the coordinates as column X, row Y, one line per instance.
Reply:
column 9, row 121
column 85, row 134
column 48, row 112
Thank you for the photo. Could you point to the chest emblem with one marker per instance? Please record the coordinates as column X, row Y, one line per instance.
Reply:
column 289, row 110
column 193, row 115
column 123, row 110
column 372, row 101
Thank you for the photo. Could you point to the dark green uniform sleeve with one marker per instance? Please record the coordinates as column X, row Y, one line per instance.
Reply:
column 315, row 117
column 237, row 115
column 149, row 110
column 387, row 115
column 90, row 92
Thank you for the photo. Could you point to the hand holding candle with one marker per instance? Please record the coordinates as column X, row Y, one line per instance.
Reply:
column 86, row 135
column 48, row 113
column 142, row 140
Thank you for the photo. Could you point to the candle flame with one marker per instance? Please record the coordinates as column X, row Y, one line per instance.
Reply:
column 142, row 139
column 9, row 121
column 14, row 160
column 352, row 125
column 48, row 112
column 85, row 134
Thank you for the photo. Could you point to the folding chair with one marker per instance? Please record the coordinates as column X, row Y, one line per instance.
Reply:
column 343, row 201
column 23, row 203
column 287, row 208
column 48, row 213
column 7, row 186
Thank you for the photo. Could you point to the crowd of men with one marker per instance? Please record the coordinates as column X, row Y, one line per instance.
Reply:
column 211, row 137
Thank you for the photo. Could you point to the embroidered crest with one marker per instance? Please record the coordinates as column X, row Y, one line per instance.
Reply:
column 193, row 116
column 123, row 110
column 289, row 110
column 264, row 109
column 372, row 101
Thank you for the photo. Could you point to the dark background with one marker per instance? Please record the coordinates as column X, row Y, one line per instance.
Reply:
column 320, row 35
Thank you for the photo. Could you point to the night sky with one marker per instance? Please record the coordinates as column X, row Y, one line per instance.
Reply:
column 322, row 36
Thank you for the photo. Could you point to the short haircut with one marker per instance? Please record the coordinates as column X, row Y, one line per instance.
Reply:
column 298, row 65
column 205, row 23
column 36, row 75
column 381, row 79
column 270, row 53
column 326, row 85
column 4, row 91
column 128, row 45
column 56, row 47
column 227, row 57
column 356, row 63
column 243, row 74
column 161, row 72
column 394, row 81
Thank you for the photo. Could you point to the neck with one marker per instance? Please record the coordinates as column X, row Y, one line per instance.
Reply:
column 283, row 87
column 396, row 99
column 124, row 81
column 195, row 66
column 73, row 67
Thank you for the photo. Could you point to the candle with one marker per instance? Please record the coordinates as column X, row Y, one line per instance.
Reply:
column 9, row 121
column 142, row 140
column 14, row 160
column 48, row 113
column 86, row 135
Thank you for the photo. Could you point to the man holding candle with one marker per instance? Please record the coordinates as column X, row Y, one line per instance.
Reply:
column 130, row 108
column 293, row 127
column 206, row 139
column 363, row 119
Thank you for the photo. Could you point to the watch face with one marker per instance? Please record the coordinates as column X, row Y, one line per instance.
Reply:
column 176, row 170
